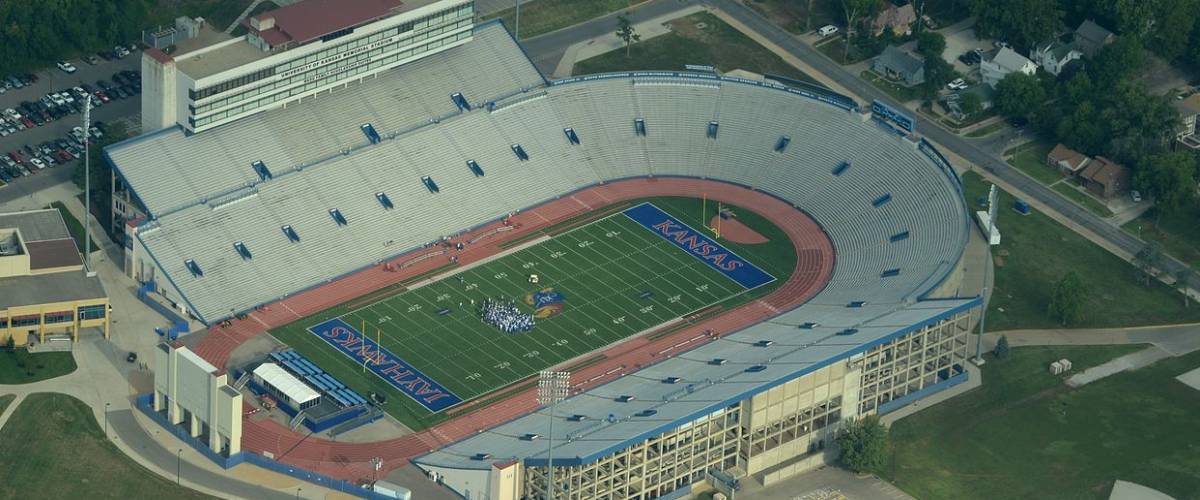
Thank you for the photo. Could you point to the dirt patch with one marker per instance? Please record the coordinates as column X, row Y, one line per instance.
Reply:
column 732, row 230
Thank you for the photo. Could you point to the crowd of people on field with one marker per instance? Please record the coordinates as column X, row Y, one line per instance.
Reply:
column 505, row 315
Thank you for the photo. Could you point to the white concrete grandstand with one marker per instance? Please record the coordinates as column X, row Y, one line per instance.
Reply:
column 892, row 207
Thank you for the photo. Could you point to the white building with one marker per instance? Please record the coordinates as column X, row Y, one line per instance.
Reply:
column 292, row 53
column 1054, row 56
column 1004, row 61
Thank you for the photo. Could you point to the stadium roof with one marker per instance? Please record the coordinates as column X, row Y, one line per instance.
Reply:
column 308, row 20
column 289, row 385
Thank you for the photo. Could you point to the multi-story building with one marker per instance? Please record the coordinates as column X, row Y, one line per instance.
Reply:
column 292, row 53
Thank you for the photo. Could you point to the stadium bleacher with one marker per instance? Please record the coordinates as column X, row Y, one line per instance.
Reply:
column 305, row 370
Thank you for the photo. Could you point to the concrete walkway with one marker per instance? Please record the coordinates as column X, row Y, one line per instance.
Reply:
column 1128, row 362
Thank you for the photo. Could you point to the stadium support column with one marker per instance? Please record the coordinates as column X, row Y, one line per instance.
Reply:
column 553, row 386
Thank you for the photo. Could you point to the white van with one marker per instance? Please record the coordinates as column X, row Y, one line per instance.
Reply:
column 827, row 30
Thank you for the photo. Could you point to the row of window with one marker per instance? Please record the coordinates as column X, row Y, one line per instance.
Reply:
column 85, row 313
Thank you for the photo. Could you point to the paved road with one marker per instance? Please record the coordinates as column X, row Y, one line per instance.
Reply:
column 947, row 140
column 547, row 49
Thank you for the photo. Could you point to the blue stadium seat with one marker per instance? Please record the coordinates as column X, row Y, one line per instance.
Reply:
column 372, row 135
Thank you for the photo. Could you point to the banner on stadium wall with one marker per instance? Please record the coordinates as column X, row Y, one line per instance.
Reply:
column 389, row 367
column 699, row 246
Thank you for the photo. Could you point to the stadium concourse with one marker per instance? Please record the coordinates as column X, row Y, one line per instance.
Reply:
column 284, row 213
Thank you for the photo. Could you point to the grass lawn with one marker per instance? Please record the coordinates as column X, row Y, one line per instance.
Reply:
column 1036, row 251
column 717, row 44
column 836, row 49
column 1070, row 192
column 52, row 447
column 1178, row 233
column 987, row 129
column 1031, row 159
column 543, row 16
column 20, row 367
column 794, row 16
column 6, row 400
column 1024, row 434
column 900, row 92
column 73, row 226
column 617, row 279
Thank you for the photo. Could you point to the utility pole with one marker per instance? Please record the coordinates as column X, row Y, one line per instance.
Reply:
column 87, row 186
column 553, row 387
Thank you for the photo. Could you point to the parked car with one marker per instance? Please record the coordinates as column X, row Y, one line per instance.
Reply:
column 131, row 357
column 827, row 30
column 92, row 60
column 957, row 84
column 1136, row 196
column 37, row 162
column 66, row 67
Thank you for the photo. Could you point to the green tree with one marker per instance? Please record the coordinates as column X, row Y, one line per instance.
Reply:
column 854, row 10
column 1116, row 62
column 1019, row 94
column 931, row 44
column 938, row 73
column 863, row 443
column 1002, row 350
column 627, row 33
column 1170, row 179
column 1066, row 301
column 971, row 103
column 1023, row 23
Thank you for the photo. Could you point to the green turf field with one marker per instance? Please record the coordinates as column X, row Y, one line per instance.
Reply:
column 601, row 268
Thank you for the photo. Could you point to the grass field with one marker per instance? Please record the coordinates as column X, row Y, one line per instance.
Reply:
column 716, row 43
column 1036, row 251
column 1024, row 434
column 20, row 367
column 601, row 268
column 52, row 448
column 543, row 16
column 1179, row 233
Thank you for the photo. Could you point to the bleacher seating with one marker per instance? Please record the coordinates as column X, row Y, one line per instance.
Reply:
column 317, row 378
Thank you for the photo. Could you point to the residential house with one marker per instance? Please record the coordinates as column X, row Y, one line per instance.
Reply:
column 1002, row 62
column 1105, row 178
column 1054, row 56
column 1188, row 133
column 1066, row 160
column 897, row 19
column 1091, row 37
column 897, row 64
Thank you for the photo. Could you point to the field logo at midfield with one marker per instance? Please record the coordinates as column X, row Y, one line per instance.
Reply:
column 393, row 370
column 700, row 246
column 546, row 302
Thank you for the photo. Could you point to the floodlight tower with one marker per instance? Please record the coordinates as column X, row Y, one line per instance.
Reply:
column 87, row 185
column 553, row 387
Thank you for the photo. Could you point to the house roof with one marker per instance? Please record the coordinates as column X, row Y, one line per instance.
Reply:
column 1057, row 49
column 48, row 288
column 1105, row 171
column 1074, row 159
column 1010, row 60
column 1189, row 106
column 900, row 61
column 894, row 16
column 49, row 254
column 308, row 20
column 1092, row 33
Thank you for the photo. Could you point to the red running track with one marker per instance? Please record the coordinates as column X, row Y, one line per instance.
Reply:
column 351, row 461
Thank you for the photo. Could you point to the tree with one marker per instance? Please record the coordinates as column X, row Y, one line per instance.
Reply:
column 863, row 443
column 1002, row 351
column 931, row 44
column 627, row 33
column 1170, row 179
column 1183, row 282
column 971, row 103
column 854, row 10
column 938, row 73
column 1019, row 94
column 1023, row 23
column 1116, row 61
column 10, row 344
column 1066, row 301
column 1147, row 261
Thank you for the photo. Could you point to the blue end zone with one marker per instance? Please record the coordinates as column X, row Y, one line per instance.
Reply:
column 699, row 246
column 393, row 370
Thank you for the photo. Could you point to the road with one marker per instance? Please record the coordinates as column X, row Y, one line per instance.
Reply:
column 547, row 49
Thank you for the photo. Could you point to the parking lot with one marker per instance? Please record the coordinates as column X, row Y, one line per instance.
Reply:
column 53, row 79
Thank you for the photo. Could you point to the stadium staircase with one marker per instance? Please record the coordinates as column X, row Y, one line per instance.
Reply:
column 296, row 420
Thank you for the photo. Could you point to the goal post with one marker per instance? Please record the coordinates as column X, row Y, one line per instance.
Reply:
column 716, row 230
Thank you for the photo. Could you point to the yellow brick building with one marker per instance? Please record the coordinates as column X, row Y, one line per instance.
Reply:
column 45, row 292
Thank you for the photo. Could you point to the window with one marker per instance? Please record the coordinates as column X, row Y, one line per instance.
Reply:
column 672, row 380
column 475, row 169
column 899, row 237
column 857, row 303
column 59, row 317
column 889, row 273
column 838, row 170
column 384, row 200
column 765, row 343
column 625, row 399
column 261, row 169
column 646, row 413
column 460, row 101
column 639, row 126
column 371, row 134
column 291, row 234
column 848, row 331
column 194, row 268
column 782, row 143
column 520, row 152
column 429, row 184
column 242, row 250
column 337, row 216
column 882, row 200
column 712, row 130
column 808, row 325
column 571, row 136
column 92, row 312
column 756, row 368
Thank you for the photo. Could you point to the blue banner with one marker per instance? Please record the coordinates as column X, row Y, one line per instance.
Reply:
column 393, row 370
column 699, row 246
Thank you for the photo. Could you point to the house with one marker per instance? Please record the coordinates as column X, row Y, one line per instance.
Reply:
column 897, row 64
column 1066, row 160
column 1054, row 56
column 1002, row 62
column 1188, row 133
column 897, row 19
column 1091, row 37
column 1104, row 177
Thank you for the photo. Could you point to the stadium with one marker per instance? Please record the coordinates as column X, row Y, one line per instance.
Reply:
column 728, row 269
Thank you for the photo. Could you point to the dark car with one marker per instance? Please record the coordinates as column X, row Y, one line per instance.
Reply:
column 104, row 85
column 132, row 357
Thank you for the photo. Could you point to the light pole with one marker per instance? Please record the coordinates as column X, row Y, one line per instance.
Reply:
column 297, row 493
column 178, row 464
column 553, row 386
column 106, row 420
column 517, row 22
column 87, row 185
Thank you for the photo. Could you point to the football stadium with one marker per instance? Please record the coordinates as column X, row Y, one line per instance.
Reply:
column 725, row 269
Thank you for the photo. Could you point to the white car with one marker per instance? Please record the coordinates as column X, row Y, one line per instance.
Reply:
column 957, row 84
column 66, row 66
column 57, row 99
column 121, row 51
column 12, row 113
column 37, row 162
column 1137, row 197
column 827, row 30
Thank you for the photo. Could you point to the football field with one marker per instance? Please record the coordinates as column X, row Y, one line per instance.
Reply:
column 613, row 278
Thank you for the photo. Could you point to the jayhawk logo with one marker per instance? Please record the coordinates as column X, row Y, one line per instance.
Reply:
column 546, row 302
